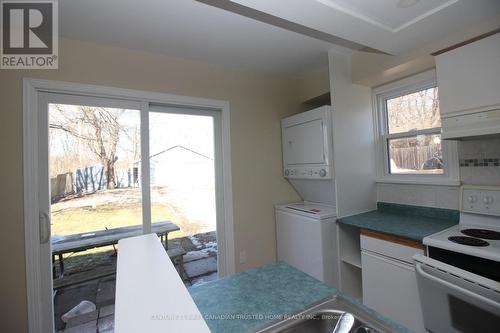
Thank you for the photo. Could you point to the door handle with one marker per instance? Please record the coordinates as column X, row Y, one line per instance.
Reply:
column 44, row 225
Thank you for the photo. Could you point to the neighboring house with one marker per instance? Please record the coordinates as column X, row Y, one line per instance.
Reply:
column 181, row 166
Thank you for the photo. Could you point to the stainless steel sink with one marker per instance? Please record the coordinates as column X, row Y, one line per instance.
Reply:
column 334, row 315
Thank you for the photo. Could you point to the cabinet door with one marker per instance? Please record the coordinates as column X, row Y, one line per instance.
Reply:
column 390, row 288
column 469, row 77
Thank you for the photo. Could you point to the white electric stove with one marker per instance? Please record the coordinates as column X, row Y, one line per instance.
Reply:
column 459, row 278
column 478, row 233
column 476, row 239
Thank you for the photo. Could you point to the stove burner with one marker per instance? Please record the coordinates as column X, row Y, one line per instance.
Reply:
column 468, row 241
column 482, row 233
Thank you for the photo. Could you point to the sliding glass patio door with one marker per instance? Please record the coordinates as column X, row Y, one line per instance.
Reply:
column 108, row 164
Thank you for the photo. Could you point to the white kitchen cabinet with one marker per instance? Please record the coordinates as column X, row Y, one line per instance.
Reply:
column 469, row 77
column 389, row 280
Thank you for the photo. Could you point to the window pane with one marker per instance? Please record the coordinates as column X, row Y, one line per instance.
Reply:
column 416, row 111
column 94, row 155
column 419, row 154
column 183, row 172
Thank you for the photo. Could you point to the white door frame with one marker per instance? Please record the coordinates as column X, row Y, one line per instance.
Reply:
column 35, row 279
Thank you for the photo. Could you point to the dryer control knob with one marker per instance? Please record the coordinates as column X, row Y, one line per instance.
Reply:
column 488, row 200
column 322, row 173
column 287, row 172
column 472, row 198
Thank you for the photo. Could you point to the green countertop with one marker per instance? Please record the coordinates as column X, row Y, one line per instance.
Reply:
column 247, row 301
column 411, row 222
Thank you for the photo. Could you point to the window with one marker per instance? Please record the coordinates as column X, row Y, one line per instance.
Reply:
column 409, row 144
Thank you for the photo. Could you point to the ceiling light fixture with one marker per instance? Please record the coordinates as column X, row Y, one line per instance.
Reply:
column 407, row 3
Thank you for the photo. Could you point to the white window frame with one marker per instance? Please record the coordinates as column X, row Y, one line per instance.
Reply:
column 380, row 95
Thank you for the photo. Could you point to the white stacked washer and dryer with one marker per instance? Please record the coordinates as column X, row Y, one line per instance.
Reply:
column 306, row 231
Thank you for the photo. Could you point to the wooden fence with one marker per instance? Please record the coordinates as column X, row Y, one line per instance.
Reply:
column 88, row 180
column 413, row 158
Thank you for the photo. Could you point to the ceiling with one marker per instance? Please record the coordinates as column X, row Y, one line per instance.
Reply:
column 192, row 30
column 214, row 34
column 392, row 15
column 391, row 26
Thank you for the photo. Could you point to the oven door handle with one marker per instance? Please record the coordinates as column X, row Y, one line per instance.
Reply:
column 480, row 298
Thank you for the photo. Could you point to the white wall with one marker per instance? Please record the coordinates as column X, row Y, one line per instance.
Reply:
column 353, row 140
column 314, row 84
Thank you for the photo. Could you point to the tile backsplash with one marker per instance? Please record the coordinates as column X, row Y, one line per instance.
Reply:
column 480, row 162
column 419, row 195
column 479, row 165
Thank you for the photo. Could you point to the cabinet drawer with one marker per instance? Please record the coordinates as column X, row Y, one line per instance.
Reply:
column 389, row 246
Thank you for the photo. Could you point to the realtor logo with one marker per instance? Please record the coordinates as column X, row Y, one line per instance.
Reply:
column 29, row 37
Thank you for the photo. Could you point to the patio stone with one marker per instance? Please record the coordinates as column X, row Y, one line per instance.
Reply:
column 106, row 324
column 197, row 255
column 106, row 311
column 105, row 293
column 90, row 327
column 204, row 279
column 201, row 267
column 82, row 319
column 67, row 298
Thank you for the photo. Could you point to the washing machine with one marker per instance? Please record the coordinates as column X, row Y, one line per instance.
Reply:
column 307, row 239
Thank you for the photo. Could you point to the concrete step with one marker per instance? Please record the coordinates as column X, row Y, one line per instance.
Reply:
column 201, row 267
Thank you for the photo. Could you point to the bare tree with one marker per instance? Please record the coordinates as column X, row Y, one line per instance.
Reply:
column 435, row 108
column 99, row 128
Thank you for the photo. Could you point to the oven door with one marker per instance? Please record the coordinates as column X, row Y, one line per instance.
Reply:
column 454, row 300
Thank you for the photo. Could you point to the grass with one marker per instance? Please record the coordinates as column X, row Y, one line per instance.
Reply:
column 79, row 220
column 111, row 209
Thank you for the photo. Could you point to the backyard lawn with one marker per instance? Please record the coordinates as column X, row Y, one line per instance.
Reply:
column 85, row 219
column 117, row 208
column 112, row 209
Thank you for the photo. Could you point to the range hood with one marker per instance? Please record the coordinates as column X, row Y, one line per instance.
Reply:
column 467, row 126
column 468, row 78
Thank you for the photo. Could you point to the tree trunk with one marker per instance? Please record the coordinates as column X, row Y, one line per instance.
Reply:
column 109, row 172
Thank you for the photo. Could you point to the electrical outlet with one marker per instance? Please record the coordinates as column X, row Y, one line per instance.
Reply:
column 243, row 257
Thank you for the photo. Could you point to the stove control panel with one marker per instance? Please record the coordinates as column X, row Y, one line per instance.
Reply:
column 481, row 200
